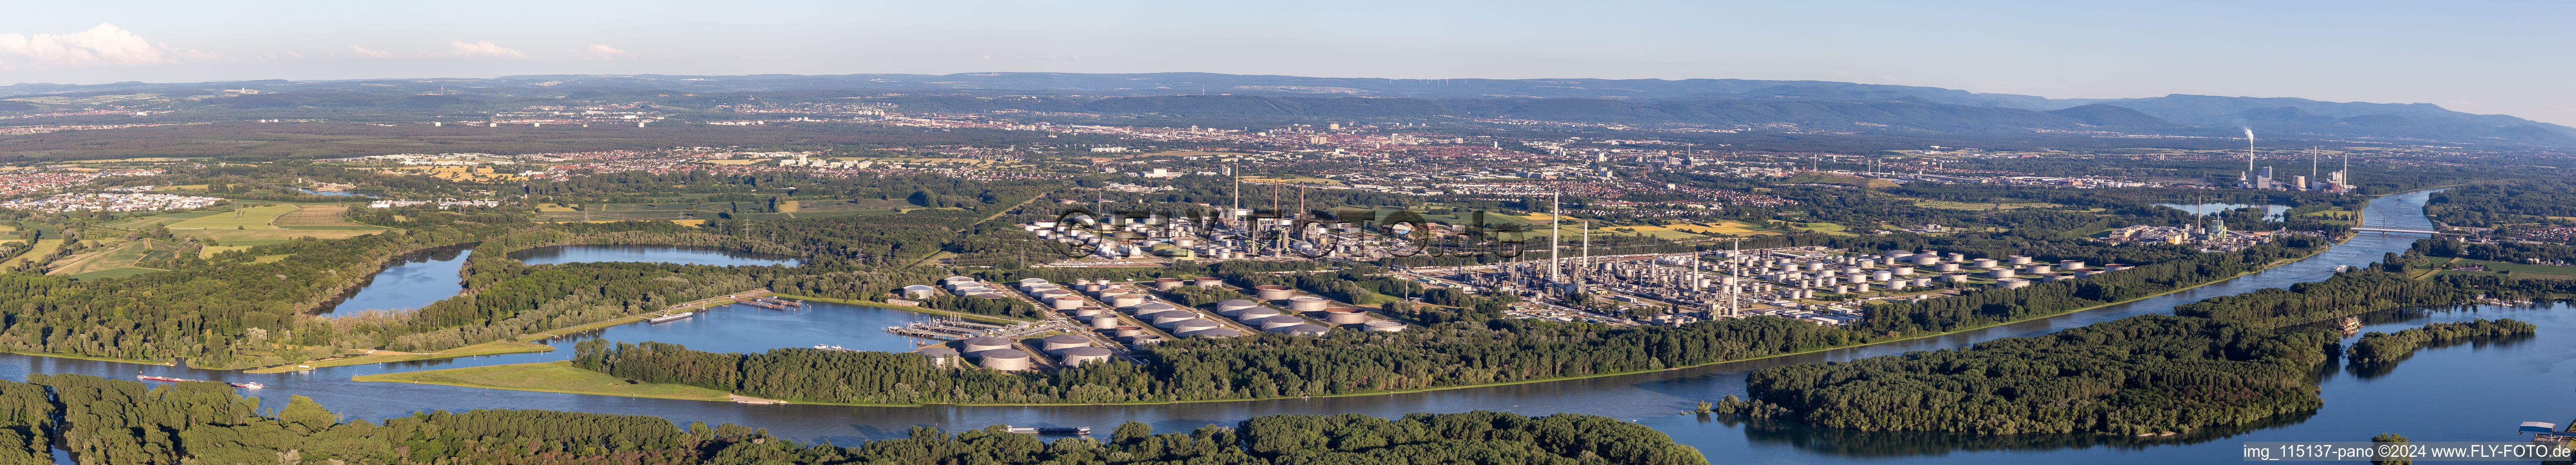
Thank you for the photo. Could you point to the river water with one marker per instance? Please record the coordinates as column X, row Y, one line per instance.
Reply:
column 2467, row 392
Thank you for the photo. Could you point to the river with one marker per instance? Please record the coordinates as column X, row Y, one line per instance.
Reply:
column 2446, row 393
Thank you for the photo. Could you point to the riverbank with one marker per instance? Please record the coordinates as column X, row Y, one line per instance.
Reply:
column 488, row 348
column 97, row 359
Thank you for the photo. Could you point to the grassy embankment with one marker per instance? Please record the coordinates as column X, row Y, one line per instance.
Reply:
column 488, row 348
column 547, row 377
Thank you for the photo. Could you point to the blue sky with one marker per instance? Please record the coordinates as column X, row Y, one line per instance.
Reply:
column 2485, row 57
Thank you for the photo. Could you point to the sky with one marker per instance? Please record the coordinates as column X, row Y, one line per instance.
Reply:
column 2494, row 57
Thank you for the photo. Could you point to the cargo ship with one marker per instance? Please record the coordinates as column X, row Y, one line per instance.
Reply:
column 1083, row 430
column 670, row 316
column 184, row 380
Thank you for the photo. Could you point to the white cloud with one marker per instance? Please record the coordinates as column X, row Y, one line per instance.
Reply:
column 482, row 48
column 363, row 51
column 605, row 52
column 105, row 45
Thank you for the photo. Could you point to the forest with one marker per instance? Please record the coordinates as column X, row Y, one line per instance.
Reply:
column 117, row 422
column 2225, row 361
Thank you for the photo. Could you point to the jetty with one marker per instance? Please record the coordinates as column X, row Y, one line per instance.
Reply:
column 945, row 329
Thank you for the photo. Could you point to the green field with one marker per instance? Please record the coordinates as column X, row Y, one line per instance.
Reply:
column 155, row 221
column 248, row 217
column 230, row 236
column 546, row 377
column 119, row 258
column 42, row 247
column 488, row 348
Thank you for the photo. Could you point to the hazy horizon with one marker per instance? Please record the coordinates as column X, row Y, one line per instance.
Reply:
column 2496, row 58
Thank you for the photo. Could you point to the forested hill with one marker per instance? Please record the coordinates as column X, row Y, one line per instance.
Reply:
column 118, row 422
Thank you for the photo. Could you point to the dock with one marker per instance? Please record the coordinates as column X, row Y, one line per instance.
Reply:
column 945, row 329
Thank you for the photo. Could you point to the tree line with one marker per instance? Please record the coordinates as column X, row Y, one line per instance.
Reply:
column 119, row 422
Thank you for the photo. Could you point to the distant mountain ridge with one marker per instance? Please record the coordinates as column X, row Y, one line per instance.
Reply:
column 1810, row 104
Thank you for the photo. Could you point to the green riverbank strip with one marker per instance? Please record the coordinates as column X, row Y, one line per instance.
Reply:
column 559, row 377
column 97, row 359
column 488, row 348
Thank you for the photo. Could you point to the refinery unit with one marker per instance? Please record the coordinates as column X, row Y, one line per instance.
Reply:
column 1101, row 320
column 1812, row 283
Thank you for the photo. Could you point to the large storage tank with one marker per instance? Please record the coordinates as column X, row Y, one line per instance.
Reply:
column 1006, row 360
column 2070, row 265
column 1273, row 292
column 1983, row 263
column 1167, row 317
column 1080, row 356
column 1307, row 304
column 1125, row 300
column 1151, row 307
column 2017, row 259
column 1345, row 316
column 2035, row 268
column 1382, row 326
column 1185, row 327
column 1904, row 271
column 1231, row 308
column 971, row 289
column 1066, row 302
column 976, row 346
column 1167, row 283
column 2000, row 273
column 1024, row 283
column 941, row 356
column 1128, row 331
column 1280, row 321
column 918, row 291
column 2055, row 277
column 1255, row 314
column 1088, row 310
column 1299, row 330
column 1064, row 341
column 1207, row 281
column 1926, row 259
column 1217, row 332
column 1104, row 321
column 2012, row 283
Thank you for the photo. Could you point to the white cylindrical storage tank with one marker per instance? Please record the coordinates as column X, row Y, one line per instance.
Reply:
column 1253, row 314
column 1154, row 307
column 1815, row 266
column 1161, row 319
column 979, row 344
column 2035, row 268
column 919, row 291
column 1082, row 281
column 1217, row 332
column 1955, row 277
column 1128, row 331
column 1842, row 289
column 1066, row 302
column 1946, row 267
column 2070, row 265
column 1063, row 341
column 1234, row 307
column 1382, row 326
column 1104, row 321
column 2017, row 259
column 1080, row 356
column 1307, row 304
column 2000, row 273
column 1904, row 271
column 1006, row 360
column 1983, row 263
column 1281, row 321
column 1207, row 281
column 2116, row 266
column 1142, row 340
column 1955, row 257
column 1185, row 327
column 1881, row 275
column 1926, row 259
column 2012, row 283
column 1867, row 263
column 971, row 290
column 941, row 356
column 957, row 279
column 1088, row 310
column 1923, row 281
column 1167, row 283
column 1273, row 292
column 1864, row 287
column 1345, row 316
column 1125, row 300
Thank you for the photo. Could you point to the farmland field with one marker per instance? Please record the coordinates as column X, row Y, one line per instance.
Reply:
column 258, row 217
column 269, row 236
column 320, row 217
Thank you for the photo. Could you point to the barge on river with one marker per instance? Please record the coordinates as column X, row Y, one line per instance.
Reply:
column 184, row 380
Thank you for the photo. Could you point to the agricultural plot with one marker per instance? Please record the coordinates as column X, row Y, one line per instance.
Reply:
column 620, row 212
column 269, row 236
column 41, row 248
column 247, row 217
column 810, row 206
column 122, row 256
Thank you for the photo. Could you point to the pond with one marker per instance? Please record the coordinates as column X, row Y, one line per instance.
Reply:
column 412, row 281
column 584, row 253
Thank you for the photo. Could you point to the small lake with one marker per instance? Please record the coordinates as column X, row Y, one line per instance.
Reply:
column 333, row 193
column 413, row 281
column 2269, row 211
column 587, row 253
